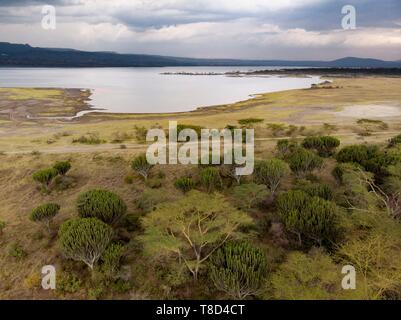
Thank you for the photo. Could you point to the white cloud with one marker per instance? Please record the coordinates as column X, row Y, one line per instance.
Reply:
column 199, row 28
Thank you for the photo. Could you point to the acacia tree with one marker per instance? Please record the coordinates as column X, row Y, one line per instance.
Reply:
column 85, row 239
column 238, row 269
column 192, row 228
column 248, row 195
column 271, row 172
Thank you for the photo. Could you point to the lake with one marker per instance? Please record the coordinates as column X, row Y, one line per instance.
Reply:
column 147, row 90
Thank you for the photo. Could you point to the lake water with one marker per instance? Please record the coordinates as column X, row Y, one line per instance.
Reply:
column 146, row 90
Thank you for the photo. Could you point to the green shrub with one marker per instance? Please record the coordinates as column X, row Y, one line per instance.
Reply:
column 111, row 259
column 249, row 195
column 15, row 250
column 2, row 226
column 45, row 177
column 238, row 269
column 357, row 153
column 62, row 167
column 131, row 221
column 141, row 165
column 140, row 134
column 324, row 145
column 121, row 286
column 394, row 141
column 310, row 218
column 303, row 161
column 210, row 179
column 96, row 292
column 68, row 283
column 184, row 184
column 250, row 121
column 285, row 147
column 270, row 173
column 338, row 172
column 101, row 204
column 85, row 239
column 45, row 213
column 317, row 190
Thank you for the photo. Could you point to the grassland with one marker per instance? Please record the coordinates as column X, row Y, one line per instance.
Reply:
column 29, row 144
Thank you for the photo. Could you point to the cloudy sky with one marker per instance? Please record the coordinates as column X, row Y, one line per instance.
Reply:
column 253, row 29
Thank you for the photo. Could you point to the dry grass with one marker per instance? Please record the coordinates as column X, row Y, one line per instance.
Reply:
column 106, row 165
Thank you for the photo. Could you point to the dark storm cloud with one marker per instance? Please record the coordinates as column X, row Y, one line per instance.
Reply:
column 327, row 15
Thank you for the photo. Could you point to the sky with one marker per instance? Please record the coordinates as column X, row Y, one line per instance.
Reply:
column 244, row 29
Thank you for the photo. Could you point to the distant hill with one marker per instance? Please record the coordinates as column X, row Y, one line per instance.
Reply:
column 23, row 55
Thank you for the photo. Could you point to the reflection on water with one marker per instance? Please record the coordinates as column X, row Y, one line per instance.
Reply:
column 146, row 90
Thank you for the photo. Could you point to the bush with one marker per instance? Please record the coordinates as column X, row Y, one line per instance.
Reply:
column 45, row 176
column 324, row 145
column 111, row 259
column 62, row 167
column 394, row 141
column 101, row 204
column 285, row 147
column 310, row 218
column 85, row 239
column 185, row 184
column 2, row 226
column 238, row 269
column 141, row 165
column 270, row 173
column 357, row 153
column 16, row 251
column 140, row 134
column 210, row 179
column 250, row 121
column 303, row 161
column 45, row 213
column 247, row 196
column 317, row 190
column 68, row 283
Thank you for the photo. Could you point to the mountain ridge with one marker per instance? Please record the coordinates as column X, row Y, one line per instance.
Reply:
column 24, row 55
